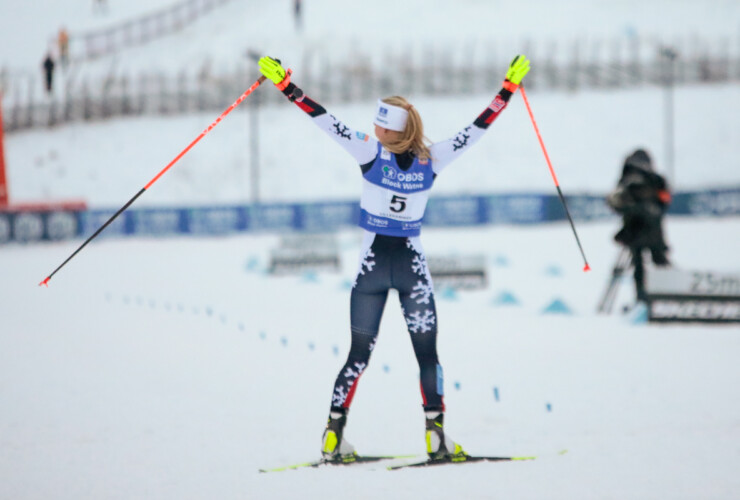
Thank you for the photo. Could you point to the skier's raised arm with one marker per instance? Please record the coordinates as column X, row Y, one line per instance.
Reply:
column 360, row 145
column 445, row 152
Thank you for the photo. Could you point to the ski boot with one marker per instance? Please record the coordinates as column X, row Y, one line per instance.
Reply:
column 439, row 444
column 334, row 447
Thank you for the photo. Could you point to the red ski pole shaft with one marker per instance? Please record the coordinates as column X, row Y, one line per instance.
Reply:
column 210, row 127
column 586, row 267
column 160, row 174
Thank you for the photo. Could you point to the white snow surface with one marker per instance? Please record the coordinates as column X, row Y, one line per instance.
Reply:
column 176, row 368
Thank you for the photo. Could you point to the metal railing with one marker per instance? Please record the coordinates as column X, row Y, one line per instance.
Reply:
column 619, row 64
column 138, row 31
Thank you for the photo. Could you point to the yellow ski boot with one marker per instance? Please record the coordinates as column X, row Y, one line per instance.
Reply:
column 439, row 444
column 334, row 447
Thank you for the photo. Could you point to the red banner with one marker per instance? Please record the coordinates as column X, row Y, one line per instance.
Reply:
column 3, row 182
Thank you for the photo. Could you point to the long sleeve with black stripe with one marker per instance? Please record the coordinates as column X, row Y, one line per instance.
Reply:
column 361, row 146
column 443, row 153
column 364, row 148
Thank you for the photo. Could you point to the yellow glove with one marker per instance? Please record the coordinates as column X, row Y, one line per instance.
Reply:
column 518, row 68
column 272, row 70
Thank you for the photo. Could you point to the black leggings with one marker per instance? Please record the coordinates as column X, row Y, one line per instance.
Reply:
column 392, row 262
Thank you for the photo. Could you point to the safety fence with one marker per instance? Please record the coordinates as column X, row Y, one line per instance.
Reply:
column 138, row 31
column 37, row 224
column 460, row 70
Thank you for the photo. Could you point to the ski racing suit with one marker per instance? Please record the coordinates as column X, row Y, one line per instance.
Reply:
column 394, row 196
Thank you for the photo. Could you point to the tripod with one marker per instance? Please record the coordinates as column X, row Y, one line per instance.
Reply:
column 624, row 259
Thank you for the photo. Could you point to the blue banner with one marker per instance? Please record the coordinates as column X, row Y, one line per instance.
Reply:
column 445, row 211
column 712, row 202
column 30, row 226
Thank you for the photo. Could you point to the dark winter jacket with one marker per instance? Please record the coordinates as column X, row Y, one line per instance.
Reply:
column 642, row 198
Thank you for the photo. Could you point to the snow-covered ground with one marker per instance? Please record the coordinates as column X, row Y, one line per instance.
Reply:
column 176, row 368
column 587, row 134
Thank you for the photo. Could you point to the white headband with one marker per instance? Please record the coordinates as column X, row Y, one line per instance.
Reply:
column 391, row 117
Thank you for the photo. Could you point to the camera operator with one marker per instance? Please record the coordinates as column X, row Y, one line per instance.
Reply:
column 642, row 198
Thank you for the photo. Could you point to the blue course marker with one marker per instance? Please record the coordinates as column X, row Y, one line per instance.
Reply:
column 506, row 298
column 448, row 293
column 557, row 306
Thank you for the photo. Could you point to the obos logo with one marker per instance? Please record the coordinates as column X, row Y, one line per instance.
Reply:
column 389, row 172
column 413, row 177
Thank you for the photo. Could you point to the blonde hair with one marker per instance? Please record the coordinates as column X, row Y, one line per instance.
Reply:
column 412, row 137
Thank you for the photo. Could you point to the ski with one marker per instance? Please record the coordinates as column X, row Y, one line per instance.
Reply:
column 355, row 459
column 419, row 461
column 428, row 462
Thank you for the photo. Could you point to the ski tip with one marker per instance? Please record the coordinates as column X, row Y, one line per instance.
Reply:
column 586, row 268
column 45, row 282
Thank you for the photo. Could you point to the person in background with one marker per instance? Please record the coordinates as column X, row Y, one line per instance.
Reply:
column 642, row 198
column 63, row 42
column 48, row 67
column 398, row 169
column 297, row 15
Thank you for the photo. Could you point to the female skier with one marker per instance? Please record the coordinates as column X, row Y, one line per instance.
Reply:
column 398, row 170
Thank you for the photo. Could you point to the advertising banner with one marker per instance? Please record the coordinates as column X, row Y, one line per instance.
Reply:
column 676, row 295
column 39, row 223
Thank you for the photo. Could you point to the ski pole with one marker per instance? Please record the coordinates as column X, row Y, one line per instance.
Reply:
column 586, row 267
column 160, row 174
